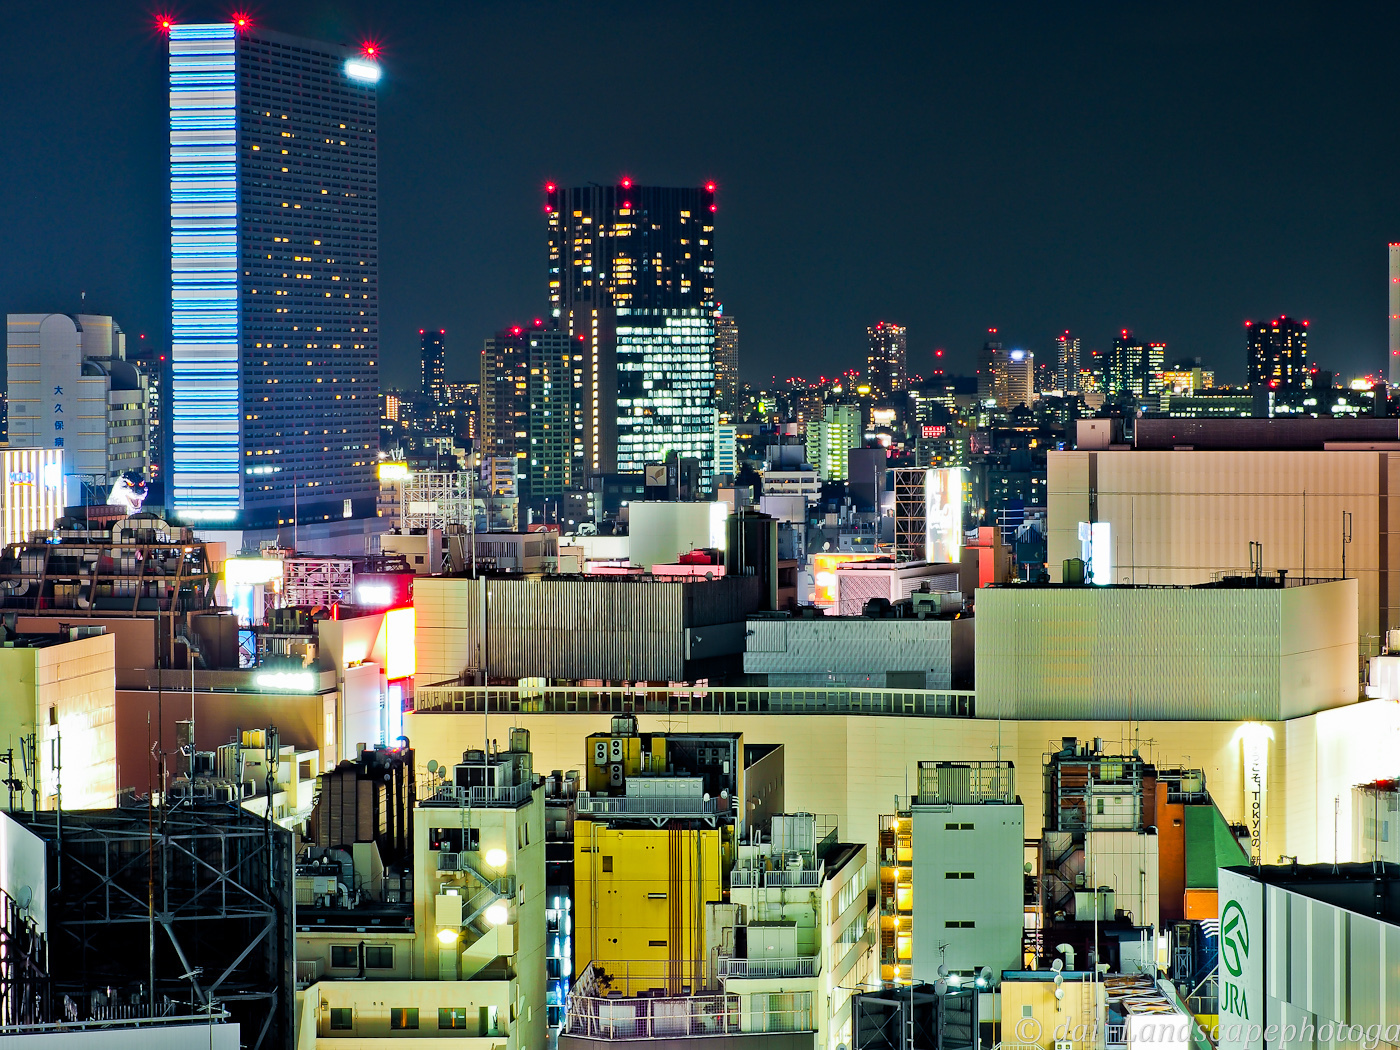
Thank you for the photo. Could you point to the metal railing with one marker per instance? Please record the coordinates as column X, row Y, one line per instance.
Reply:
column 478, row 797
column 752, row 878
column 216, row 1016
column 450, row 698
column 646, row 805
column 658, row 1017
column 1115, row 1035
column 795, row 966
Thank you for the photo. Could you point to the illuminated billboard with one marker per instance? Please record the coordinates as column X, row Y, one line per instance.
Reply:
column 400, row 654
column 824, row 568
column 943, row 507
column 31, row 491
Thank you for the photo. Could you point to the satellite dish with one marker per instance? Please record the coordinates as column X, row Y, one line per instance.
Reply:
column 1057, row 965
column 986, row 974
column 432, row 765
column 942, row 970
column 1059, row 992
column 25, row 898
column 1059, row 979
column 940, row 987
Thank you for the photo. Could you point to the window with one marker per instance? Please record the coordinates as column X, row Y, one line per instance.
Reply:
column 403, row 1018
column 344, row 956
column 342, row 1019
column 454, row 840
column 1098, row 807
column 607, row 864
column 452, row 1017
column 379, row 957
column 959, row 874
column 960, row 924
column 957, row 827
column 656, row 944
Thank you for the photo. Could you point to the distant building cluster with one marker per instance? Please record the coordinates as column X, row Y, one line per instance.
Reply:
column 605, row 699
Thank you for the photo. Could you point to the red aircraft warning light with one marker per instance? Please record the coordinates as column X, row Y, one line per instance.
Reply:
column 626, row 183
column 241, row 20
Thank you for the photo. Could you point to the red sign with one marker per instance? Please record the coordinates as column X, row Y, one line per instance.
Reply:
column 936, row 430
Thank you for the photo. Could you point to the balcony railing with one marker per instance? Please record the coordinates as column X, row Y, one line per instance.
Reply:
column 796, row 966
column 451, row 698
column 478, row 797
column 646, row 805
column 751, row 878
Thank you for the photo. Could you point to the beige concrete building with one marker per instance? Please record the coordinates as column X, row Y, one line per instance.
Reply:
column 853, row 765
column 460, row 952
column 1245, row 653
column 1188, row 516
column 59, row 698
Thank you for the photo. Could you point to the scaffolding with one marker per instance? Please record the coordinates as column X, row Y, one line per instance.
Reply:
column 180, row 910
column 436, row 500
column 911, row 494
column 317, row 581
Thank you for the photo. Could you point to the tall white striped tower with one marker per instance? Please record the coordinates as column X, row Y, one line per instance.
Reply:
column 1393, row 371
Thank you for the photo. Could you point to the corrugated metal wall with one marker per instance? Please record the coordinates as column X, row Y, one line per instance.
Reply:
column 849, row 647
column 571, row 628
column 1144, row 653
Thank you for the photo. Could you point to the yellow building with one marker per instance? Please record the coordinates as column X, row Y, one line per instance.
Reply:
column 59, row 701
column 454, row 946
column 640, row 895
column 653, row 843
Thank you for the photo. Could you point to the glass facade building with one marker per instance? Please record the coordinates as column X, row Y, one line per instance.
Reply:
column 639, row 258
column 274, row 271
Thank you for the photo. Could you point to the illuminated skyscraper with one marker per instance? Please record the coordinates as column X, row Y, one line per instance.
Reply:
column 1067, row 359
column 434, row 370
column 1135, row 370
column 527, row 406
column 1394, row 371
column 275, row 276
column 885, row 359
column 632, row 281
column 726, row 361
column 990, row 360
column 1278, row 354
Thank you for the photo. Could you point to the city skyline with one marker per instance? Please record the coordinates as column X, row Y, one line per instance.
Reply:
column 986, row 261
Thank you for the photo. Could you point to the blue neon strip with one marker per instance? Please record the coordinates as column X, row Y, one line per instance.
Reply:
column 204, row 389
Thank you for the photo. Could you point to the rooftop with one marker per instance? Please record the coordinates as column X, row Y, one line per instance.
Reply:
column 1367, row 889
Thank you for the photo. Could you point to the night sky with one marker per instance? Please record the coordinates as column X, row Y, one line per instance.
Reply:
column 1173, row 169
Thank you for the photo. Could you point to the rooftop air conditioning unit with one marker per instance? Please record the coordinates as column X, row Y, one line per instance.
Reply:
column 449, row 862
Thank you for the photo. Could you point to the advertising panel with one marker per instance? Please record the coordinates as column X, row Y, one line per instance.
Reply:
column 1241, row 961
column 943, row 504
column 400, row 655
column 824, row 573
column 32, row 497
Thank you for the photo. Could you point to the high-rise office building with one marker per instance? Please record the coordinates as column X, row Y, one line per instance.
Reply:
column 1393, row 374
column 1135, row 370
column 275, row 273
column 1067, row 358
column 71, row 387
column 1277, row 354
column 885, row 360
column 505, row 392
column 829, row 438
column 632, row 281
column 434, row 381
column 527, row 406
column 1015, row 383
column 726, row 361
column 989, row 362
